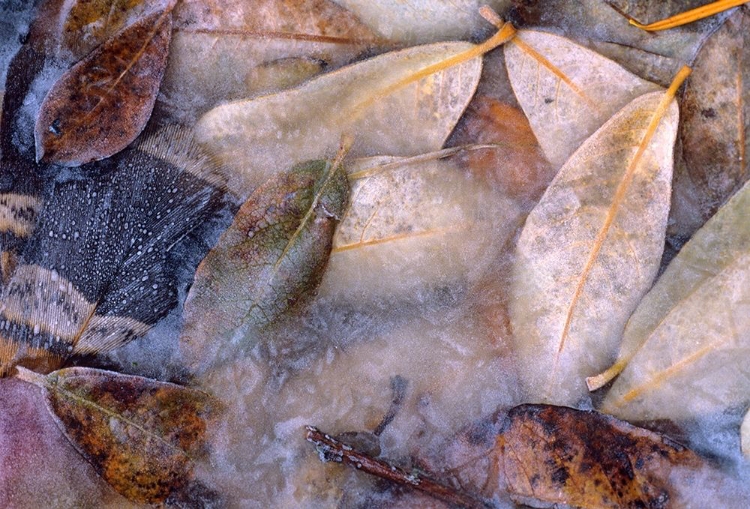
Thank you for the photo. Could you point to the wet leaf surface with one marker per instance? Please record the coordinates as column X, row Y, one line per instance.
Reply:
column 141, row 436
column 269, row 259
column 103, row 102
column 590, row 249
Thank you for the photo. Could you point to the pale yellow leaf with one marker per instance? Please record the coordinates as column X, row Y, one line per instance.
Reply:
column 373, row 100
column 566, row 90
column 590, row 250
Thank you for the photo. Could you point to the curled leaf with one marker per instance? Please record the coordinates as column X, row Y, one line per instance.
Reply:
column 271, row 257
column 591, row 248
column 141, row 436
column 102, row 103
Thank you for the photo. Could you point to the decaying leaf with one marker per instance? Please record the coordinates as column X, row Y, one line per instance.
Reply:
column 141, row 436
column 591, row 248
column 685, row 348
column 271, row 257
column 414, row 227
column 102, row 103
column 557, row 456
column 714, row 128
column 374, row 99
column 98, row 271
column 85, row 24
column 230, row 50
column 566, row 90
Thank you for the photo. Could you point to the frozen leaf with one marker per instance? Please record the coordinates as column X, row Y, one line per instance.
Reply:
column 85, row 24
column 602, row 26
column 566, row 90
column 418, row 21
column 415, row 225
column 557, row 456
column 102, row 103
column 98, row 271
column 714, row 129
column 385, row 102
column 230, row 50
column 591, row 248
column 516, row 164
column 685, row 347
column 141, row 436
column 272, row 256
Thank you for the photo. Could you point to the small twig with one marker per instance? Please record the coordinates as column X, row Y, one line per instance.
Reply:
column 330, row 449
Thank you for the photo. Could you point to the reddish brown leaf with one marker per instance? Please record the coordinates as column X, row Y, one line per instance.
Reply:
column 141, row 436
column 88, row 23
column 102, row 103
column 552, row 455
column 517, row 165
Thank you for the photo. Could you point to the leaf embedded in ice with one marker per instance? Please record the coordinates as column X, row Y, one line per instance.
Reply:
column 566, row 90
column 142, row 436
column 591, row 248
column 97, row 270
column 685, row 346
column 85, row 24
column 557, row 456
column 373, row 100
column 417, row 21
column 715, row 130
column 272, row 256
column 230, row 50
column 102, row 103
column 415, row 226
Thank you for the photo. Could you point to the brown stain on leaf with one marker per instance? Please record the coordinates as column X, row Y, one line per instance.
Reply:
column 142, row 436
column 559, row 455
column 102, row 103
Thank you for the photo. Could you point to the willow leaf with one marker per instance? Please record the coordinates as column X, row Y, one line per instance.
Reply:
column 141, row 436
column 271, row 257
column 566, row 90
column 591, row 248
column 685, row 348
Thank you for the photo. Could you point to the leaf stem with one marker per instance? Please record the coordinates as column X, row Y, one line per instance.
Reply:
column 333, row 450
column 686, row 17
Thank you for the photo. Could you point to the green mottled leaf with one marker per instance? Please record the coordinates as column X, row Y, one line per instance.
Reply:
column 271, row 256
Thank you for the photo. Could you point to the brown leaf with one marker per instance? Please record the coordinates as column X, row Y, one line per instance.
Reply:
column 141, row 436
column 102, row 103
column 556, row 455
column 89, row 23
column 714, row 127
column 517, row 165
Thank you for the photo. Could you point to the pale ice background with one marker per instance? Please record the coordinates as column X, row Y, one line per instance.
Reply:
column 334, row 364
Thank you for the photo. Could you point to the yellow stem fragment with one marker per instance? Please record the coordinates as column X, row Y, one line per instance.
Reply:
column 689, row 16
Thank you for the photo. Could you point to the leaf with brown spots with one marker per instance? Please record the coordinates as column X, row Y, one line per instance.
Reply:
column 102, row 103
column 550, row 456
column 142, row 436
